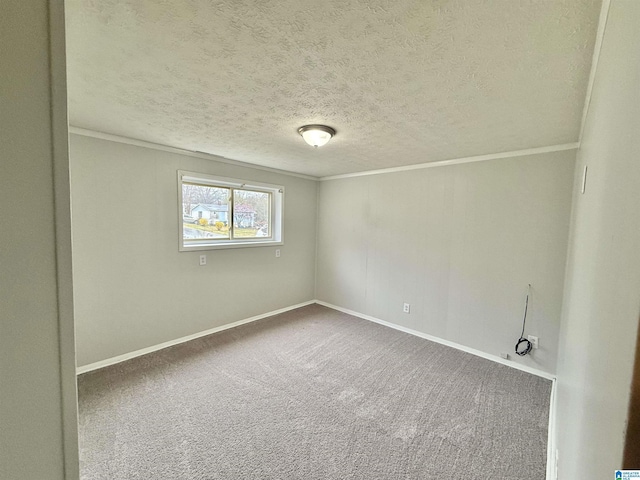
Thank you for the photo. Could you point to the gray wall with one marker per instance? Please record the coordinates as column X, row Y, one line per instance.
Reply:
column 38, row 422
column 602, row 299
column 459, row 243
column 133, row 288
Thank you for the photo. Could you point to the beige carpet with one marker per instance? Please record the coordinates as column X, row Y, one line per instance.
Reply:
column 312, row 394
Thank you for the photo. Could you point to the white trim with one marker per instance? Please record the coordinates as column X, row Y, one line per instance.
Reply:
column 597, row 48
column 170, row 343
column 551, row 441
column 552, row 474
column 276, row 222
column 62, row 220
column 472, row 351
column 551, row 430
column 165, row 148
column 441, row 163
column 457, row 161
column 457, row 346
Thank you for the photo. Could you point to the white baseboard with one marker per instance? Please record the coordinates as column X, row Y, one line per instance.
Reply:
column 473, row 351
column 551, row 444
column 143, row 351
column 137, row 353
column 551, row 473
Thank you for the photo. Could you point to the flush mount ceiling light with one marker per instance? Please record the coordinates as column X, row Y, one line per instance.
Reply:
column 316, row 135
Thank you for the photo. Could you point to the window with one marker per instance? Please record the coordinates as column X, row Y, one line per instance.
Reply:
column 218, row 212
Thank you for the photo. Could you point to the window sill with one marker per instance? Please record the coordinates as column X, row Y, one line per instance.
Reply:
column 221, row 246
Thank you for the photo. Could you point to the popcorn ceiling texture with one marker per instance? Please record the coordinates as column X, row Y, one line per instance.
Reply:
column 402, row 82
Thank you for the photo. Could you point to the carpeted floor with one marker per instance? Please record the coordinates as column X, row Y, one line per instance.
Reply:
column 312, row 394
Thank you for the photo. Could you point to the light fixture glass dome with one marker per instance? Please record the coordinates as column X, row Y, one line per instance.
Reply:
column 316, row 135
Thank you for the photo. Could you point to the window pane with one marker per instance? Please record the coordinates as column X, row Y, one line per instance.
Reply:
column 251, row 214
column 205, row 212
column 219, row 212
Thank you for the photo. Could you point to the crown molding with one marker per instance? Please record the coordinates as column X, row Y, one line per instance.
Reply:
column 190, row 153
column 442, row 163
column 457, row 161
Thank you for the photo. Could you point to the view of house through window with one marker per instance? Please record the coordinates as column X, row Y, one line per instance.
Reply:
column 251, row 213
column 205, row 211
column 215, row 212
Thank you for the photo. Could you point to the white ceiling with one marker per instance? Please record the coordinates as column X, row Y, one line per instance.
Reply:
column 402, row 81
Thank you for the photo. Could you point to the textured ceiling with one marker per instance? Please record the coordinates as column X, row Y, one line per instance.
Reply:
column 403, row 82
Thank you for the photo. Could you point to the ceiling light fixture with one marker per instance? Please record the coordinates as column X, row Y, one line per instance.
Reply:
column 316, row 135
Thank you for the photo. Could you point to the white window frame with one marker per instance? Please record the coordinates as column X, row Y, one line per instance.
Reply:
column 276, row 226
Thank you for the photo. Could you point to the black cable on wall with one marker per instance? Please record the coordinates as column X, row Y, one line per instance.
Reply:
column 524, row 346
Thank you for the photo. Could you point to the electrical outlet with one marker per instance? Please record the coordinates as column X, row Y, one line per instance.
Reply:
column 505, row 355
column 406, row 308
column 203, row 259
column 533, row 340
column 277, row 252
